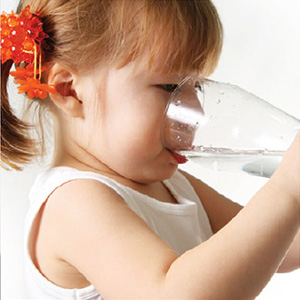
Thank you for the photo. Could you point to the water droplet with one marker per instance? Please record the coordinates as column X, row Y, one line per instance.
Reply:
column 178, row 102
column 222, row 92
column 178, row 138
column 218, row 101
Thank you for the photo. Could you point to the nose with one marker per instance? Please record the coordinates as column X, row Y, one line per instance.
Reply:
column 183, row 115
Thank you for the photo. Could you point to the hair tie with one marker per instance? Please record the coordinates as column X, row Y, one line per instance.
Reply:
column 22, row 37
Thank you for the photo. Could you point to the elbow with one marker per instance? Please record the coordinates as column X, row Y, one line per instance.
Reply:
column 289, row 264
column 287, row 268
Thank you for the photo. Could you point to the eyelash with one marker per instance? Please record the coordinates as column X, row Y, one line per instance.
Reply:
column 199, row 87
column 168, row 87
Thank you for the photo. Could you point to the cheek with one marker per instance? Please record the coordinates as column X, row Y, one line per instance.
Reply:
column 137, row 136
column 131, row 125
column 133, row 144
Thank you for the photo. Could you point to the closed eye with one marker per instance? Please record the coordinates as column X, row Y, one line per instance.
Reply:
column 168, row 87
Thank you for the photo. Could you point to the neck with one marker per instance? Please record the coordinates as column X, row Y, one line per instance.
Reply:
column 68, row 152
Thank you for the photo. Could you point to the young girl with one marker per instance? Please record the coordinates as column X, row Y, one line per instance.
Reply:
column 113, row 218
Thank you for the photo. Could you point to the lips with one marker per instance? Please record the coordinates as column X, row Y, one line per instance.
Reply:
column 179, row 158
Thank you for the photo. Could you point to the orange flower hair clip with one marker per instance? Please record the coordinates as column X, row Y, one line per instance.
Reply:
column 22, row 36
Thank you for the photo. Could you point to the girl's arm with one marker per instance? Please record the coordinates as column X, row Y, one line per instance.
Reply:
column 221, row 210
column 119, row 254
column 292, row 260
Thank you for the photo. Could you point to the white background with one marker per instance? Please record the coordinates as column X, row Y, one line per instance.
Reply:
column 261, row 54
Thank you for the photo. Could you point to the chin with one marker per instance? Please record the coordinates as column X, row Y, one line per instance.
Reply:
column 155, row 176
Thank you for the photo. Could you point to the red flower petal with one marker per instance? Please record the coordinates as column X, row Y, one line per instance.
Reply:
column 22, row 89
column 19, row 33
column 13, row 21
column 34, row 88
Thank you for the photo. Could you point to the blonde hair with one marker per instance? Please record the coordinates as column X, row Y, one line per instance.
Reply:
column 85, row 33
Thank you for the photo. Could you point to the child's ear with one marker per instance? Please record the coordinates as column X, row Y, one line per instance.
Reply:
column 65, row 97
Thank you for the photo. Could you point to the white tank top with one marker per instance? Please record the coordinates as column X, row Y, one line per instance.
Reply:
column 183, row 225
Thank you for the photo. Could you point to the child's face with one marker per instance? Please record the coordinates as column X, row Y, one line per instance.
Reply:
column 123, row 121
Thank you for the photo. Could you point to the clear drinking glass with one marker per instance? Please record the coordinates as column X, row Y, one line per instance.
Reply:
column 224, row 127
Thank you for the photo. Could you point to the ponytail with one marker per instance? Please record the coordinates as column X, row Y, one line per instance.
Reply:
column 17, row 147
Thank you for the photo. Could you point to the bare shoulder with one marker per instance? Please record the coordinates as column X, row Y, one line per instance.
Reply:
column 220, row 210
column 81, row 196
column 78, row 211
column 77, row 204
column 93, row 234
column 69, row 212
